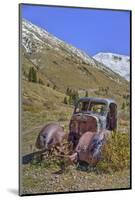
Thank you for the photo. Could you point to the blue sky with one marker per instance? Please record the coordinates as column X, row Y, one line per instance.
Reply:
column 91, row 30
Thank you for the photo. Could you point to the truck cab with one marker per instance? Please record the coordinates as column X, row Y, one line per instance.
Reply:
column 92, row 114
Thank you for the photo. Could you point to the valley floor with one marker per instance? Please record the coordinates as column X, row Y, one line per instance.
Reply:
column 42, row 180
column 43, row 177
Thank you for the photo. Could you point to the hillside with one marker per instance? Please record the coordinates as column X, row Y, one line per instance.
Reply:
column 62, row 65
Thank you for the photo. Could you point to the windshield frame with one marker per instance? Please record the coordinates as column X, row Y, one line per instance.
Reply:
column 88, row 110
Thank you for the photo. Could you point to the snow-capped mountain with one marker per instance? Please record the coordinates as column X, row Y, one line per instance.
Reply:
column 118, row 63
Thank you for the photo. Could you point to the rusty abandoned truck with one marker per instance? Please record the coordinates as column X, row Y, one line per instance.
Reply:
column 91, row 119
column 94, row 115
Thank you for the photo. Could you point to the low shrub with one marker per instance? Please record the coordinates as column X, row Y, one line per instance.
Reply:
column 115, row 153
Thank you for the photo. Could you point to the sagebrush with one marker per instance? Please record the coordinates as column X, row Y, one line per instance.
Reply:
column 115, row 153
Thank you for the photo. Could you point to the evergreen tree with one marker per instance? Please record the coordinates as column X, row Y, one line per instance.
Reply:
column 65, row 100
column 74, row 96
column 70, row 92
column 67, row 91
column 32, row 76
column 86, row 94
column 123, row 106
column 70, row 100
